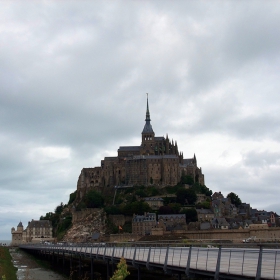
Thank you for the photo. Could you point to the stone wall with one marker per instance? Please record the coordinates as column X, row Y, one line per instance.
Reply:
column 78, row 216
column 269, row 234
column 117, row 220
column 84, row 224
column 125, row 237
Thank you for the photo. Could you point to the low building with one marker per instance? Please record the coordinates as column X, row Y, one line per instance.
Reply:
column 154, row 202
column 220, row 223
column 172, row 222
column 143, row 224
column 36, row 231
column 204, row 215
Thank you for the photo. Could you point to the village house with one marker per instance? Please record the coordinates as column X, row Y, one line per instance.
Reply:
column 154, row 202
column 204, row 215
column 143, row 224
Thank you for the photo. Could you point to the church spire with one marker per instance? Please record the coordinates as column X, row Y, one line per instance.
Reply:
column 148, row 127
column 147, row 111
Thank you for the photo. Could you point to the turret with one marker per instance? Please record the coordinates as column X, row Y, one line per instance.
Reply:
column 20, row 226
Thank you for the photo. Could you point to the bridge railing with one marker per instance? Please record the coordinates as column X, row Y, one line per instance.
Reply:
column 261, row 262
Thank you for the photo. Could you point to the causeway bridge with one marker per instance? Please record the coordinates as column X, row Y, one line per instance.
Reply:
column 187, row 261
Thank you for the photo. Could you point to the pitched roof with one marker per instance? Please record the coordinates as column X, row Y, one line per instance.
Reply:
column 129, row 148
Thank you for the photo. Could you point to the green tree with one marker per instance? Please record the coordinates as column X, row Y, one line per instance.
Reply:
column 165, row 210
column 176, row 207
column 234, row 199
column 94, row 199
column 72, row 197
column 186, row 179
column 137, row 207
column 184, row 195
column 112, row 210
column 204, row 205
column 191, row 215
column 59, row 208
column 121, row 272
column 202, row 189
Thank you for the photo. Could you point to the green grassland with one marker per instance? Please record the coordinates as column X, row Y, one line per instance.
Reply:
column 7, row 270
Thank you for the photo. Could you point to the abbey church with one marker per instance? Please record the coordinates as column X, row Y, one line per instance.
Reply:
column 156, row 161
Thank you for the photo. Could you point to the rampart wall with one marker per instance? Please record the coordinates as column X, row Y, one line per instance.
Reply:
column 81, row 215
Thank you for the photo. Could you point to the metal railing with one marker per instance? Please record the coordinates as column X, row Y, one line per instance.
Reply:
column 261, row 262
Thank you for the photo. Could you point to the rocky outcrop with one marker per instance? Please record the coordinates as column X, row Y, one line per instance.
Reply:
column 84, row 224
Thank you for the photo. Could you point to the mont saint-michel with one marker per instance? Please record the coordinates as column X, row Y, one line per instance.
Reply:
column 157, row 161
column 149, row 190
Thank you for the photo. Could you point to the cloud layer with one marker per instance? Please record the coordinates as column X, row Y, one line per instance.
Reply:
column 73, row 78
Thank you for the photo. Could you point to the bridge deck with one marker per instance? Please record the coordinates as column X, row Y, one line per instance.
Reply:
column 231, row 263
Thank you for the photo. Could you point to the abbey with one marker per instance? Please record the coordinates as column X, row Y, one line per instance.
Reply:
column 156, row 161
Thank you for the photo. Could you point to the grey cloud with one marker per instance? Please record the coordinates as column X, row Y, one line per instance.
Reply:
column 75, row 75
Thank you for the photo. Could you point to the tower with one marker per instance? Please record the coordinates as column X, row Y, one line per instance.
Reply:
column 148, row 135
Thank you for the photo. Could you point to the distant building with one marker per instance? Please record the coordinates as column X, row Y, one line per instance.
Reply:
column 157, row 161
column 204, row 215
column 172, row 222
column 154, row 202
column 143, row 224
column 36, row 231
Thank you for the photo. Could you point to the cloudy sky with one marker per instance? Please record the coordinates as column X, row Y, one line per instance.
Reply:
column 73, row 83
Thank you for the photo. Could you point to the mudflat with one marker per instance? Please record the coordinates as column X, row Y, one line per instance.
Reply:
column 28, row 268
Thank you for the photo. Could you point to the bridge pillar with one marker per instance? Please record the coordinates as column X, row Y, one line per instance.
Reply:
column 63, row 261
column 112, row 259
column 71, row 268
column 108, row 270
column 259, row 268
column 166, row 259
column 91, row 269
column 187, row 271
column 139, row 272
column 217, row 272
column 148, row 259
column 80, row 267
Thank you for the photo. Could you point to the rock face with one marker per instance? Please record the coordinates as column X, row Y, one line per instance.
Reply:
column 84, row 224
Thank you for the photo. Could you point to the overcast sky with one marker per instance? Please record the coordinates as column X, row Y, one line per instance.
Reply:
column 73, row 83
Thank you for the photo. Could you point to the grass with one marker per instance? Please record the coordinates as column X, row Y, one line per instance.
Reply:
column 7, row 270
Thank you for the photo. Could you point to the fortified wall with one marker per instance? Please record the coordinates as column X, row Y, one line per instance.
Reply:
column 236, row 236
column 78, row 216
column 268, row 234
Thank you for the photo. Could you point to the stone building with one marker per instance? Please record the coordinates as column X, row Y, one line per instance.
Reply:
column 154, row 202
column 172, row 221
column 156, row 161
column 17, row 234
column 36, row 231
column 204, row 215
column 143, row 224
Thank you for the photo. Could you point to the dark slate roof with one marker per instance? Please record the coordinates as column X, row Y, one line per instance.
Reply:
column 159, row 138
column 188, row 161
column 220, row 221
column 95, row 235
column 110, row 158
column 204, row 211
column 148, row 128
column 129, row 148
column 170, row 216
column 143, row 218
column 155, row 157
column 205, row 225
column 39, row 223
column 20, row 224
